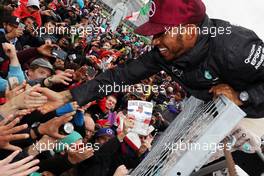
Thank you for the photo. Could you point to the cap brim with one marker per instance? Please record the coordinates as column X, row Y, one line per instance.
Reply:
column 14, row 23
column 44, row 66
column 110, row 135
column 149, row 29
column 37, row 6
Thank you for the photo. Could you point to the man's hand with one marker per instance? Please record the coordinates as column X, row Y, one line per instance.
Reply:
column 245, row 140
column 46, row 12
column 15, row 33
column 79, row 155
column 8, row 8
column 31, row 30
column 46, row 49
column 61, row 78
column 55, row 99
column 45, row 141
column 18, row 89
column 80, row 74
column 23, row 112
column 29, row 99
column 128, row 123
column 7, row 134
column 51, row 127
column 9, row 50
column 20, row 168
column 121, row 171
column 146, row 145
column 226, row 90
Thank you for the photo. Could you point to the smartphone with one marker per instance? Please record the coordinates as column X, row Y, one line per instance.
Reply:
column 91, row 72
column 59, row 53
column 21, row 25
column 12, row 82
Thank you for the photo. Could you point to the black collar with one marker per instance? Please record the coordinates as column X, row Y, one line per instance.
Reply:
column 198, row 52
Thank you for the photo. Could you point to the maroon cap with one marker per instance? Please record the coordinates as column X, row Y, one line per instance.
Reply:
column 171, row 13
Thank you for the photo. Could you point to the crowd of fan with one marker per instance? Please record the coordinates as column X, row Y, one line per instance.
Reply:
column 32, row 63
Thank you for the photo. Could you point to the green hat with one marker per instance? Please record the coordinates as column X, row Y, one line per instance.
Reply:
column 67, row 141
column 35, row 174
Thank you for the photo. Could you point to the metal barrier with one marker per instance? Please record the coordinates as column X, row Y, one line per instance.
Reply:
column 191, row 138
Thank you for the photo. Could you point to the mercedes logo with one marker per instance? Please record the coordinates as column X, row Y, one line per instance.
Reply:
column 176, row 71
column 152, row 9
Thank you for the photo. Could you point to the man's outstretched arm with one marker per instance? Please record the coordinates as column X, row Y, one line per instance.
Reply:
column 130, row 73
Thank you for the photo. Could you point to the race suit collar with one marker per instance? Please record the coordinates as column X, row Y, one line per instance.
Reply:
column 199, row 51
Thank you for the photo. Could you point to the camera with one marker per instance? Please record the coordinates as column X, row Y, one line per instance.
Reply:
column 59, row 53
column 21, row 25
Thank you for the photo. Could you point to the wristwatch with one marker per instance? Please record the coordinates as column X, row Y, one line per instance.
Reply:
column 50, row 83
column 1, row 118
column 243, row 96
column 35, row 127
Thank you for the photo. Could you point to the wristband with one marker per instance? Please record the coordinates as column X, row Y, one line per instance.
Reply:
column 64, row 109
column 78, row 119
column 63, row 143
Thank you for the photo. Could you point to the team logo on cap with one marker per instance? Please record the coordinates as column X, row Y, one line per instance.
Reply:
column 152, row 9
column 108, row 131
column 177, row 71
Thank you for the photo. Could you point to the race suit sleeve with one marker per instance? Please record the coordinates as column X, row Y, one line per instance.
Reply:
column 114, row 80
column 246, row 63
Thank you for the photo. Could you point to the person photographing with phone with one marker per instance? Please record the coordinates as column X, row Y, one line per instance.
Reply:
column 11, row 31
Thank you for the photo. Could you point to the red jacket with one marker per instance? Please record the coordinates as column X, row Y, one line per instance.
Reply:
column 22, row 12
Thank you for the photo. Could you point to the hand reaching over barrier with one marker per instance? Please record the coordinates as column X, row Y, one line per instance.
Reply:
column 8, row 134
column 20, row 168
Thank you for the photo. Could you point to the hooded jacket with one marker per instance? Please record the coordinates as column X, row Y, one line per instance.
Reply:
column 235, row 58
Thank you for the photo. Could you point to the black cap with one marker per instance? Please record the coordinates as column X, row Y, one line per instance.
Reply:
column 11, row 20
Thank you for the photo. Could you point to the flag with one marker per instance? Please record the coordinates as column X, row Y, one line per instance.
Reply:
column 133, row 17
column 144, row 10
column 145, row 1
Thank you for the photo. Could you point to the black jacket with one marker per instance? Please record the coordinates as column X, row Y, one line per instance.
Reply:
column 96, row 113
column 235, row 59
column 106, row 160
